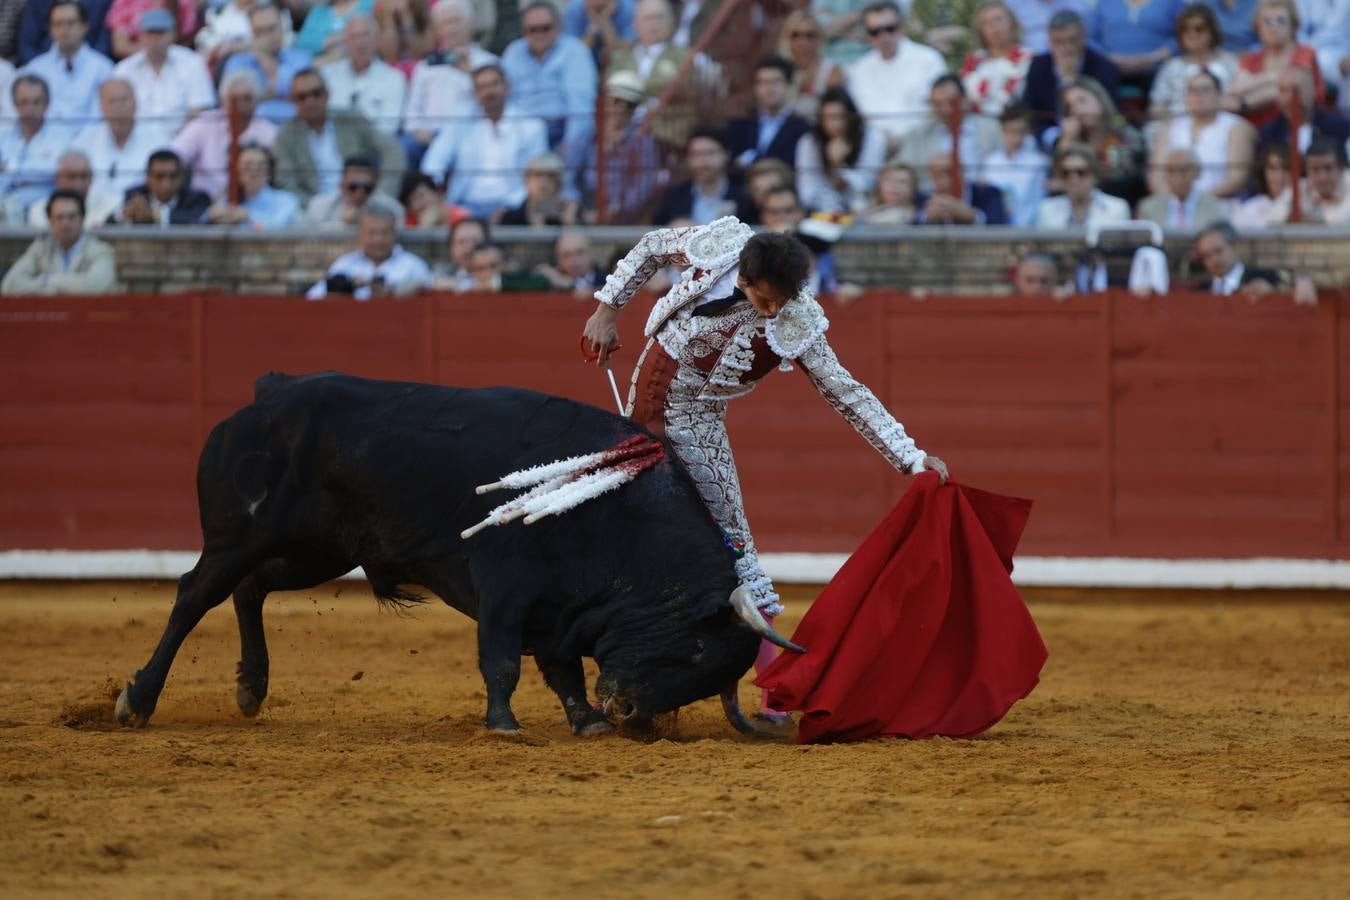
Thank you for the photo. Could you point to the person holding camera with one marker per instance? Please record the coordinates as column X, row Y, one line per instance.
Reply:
column 379, row 267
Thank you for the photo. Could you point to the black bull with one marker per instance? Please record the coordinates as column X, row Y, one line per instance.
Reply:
column 323, row 473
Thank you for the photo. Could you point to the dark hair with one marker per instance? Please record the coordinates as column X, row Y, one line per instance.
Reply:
column 780, row 259
column 311, row 72
column 1326, row 146
column 30, row 78
column 708, row 132
column 489, row 245
column 360, row 162
column 472, row 220
column 163, row 156
column 64, row 195
column 853, row 130
column 948, row 78
column 784, row 189
column 411, row 182
column 883, row 6
column 779, row 63
column 1013, row 112
column 79, row 8
column 267, row 155
column 1259, row 166
column 542, row 4
column 1222, row 229
column 1206, row 15
column 1065, row 18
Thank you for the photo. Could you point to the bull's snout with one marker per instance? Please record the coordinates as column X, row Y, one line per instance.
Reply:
column 618, row 708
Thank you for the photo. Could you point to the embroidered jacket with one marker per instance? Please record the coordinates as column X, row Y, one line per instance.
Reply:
column 733, row 349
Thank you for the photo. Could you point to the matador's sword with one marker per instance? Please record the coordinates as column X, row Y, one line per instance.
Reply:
column 613, row 386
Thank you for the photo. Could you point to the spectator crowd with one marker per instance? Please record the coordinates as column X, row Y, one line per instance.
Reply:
column 376, row 115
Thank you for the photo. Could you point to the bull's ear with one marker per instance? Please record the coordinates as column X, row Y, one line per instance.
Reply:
column 750, row 614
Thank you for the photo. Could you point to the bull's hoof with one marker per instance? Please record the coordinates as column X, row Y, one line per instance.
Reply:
column 125, row 714
column 249, row 704
column 501, row 723
column 593, row 727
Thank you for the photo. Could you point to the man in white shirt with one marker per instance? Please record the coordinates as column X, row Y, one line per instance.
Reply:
column 363, row 82
column 1327, row 192
column 72, row 69
column 890, row 83
column 442, row 88
column 172, row 83
column 119, row 147
column 30, row 148
column 74, row 175
column 379, row 268
column 1216, row 248
column 482, row 160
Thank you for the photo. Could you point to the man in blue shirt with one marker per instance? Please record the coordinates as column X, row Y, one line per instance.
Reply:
column 274, row 64
column 35, row 38
column 552, row 73
column 72, row 70
column 1237, row 23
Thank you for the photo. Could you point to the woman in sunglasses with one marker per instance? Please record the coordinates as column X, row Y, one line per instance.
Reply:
column 1254, row 92
column 1082, row 205
column 802, row 44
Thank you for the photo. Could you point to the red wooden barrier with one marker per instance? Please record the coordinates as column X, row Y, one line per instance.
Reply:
column 1180, row 427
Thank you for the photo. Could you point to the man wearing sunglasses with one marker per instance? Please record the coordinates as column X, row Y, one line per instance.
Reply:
column 357, row 191
column 890, row 82
column 310, row 148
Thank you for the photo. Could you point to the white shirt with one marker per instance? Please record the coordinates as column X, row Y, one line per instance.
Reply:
column 73, row 89
column 323, row 149
column 378, row 93
column 442, row 92
column 28, row 166
column 1021, row 178
column 893, row 93
column 1228, row 285
column 119, row 168
column 402, row 272
column 485, row 159
column 164, row 97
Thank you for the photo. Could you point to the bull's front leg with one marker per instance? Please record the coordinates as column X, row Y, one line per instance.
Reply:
column 499, row 646
column 568, row 680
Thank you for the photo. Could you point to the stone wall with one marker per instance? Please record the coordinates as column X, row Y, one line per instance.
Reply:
column 948, row 260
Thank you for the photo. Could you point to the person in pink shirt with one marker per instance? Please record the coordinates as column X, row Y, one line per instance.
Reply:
column 204, row 143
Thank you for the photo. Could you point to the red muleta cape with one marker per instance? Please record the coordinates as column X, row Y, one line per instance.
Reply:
column 921, row 632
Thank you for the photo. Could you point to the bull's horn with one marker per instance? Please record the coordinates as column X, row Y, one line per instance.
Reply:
column 745, row 608
column 731, row 705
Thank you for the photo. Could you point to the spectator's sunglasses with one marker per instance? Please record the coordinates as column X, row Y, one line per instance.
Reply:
column 363, row 187
column 311, row 94
column 879, row 30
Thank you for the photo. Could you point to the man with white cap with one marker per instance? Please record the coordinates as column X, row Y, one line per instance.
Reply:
column 172, row 83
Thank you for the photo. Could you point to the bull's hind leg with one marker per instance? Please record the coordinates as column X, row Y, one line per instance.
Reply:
column 202, row 589
column 568, row 681
column 293, row 573
column 499, row 646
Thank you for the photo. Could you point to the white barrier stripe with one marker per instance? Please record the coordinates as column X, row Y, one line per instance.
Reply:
column 794, row 568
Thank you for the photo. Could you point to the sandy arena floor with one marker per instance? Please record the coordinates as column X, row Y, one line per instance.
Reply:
column 1177, row 746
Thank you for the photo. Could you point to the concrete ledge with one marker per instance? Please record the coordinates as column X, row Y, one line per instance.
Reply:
column 793, row 568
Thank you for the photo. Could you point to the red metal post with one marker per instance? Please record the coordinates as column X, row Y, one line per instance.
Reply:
column 1295, row 159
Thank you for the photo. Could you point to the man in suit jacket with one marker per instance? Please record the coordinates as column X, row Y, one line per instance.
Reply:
column 1317, row 121
column 709, row 194
column 1069, row 56
column 978, row 204
column 774, row 129
column 1181, row 207
column 1216, row 248
column 165, row 198
column 311, row 147
column 67, row 261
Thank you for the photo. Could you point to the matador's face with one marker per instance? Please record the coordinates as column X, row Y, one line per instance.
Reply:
column 764, row 297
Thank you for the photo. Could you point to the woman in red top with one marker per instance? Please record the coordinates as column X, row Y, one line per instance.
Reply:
column 994, row 74
column 1254, row 93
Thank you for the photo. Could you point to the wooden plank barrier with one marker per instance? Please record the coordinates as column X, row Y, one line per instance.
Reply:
column 1187, row 426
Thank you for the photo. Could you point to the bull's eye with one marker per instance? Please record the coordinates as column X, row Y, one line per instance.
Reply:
column 698, row 650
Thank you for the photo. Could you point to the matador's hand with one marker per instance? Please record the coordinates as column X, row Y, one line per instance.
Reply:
column 601, row 334
column 933, row 464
